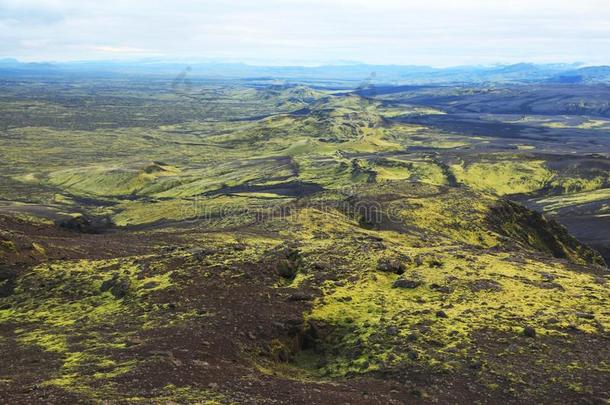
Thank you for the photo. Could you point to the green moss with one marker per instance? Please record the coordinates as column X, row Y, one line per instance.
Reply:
column 362, row 312
column 191, row 395
column 505, row 177
column 110, row 181
column 62, row 302
column 47, row 342
column 553, row 204
column 228, row 174
column 8, row 245
column 39, row 248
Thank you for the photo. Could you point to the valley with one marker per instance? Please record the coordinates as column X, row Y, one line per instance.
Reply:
column 236, row 241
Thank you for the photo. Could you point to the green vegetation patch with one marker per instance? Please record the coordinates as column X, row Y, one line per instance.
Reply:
column 504, row 177
column 377, row 323
column 84, row 311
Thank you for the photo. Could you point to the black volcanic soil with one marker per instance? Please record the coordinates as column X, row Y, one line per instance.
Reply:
column 226, row 347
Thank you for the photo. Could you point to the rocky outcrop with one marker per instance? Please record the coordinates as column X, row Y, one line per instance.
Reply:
column 533, row 230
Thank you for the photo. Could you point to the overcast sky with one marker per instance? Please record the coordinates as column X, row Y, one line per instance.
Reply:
column 431, row 32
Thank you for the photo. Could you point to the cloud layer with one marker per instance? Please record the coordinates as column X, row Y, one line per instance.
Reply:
column 435, row 32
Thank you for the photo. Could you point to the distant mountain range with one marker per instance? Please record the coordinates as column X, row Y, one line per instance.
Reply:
column 358, row 74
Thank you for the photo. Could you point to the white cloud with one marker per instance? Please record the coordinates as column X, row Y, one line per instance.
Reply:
column 439, row 32
column 119, row 49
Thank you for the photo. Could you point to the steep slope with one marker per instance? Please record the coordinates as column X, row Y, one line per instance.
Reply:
column 532, row 229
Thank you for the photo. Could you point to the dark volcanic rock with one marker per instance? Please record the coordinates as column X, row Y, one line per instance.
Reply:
column 7, row 282
column 118, row 286
column 300, row 296
column 435, row 264
column 287, row 266
column 532, row 229
column 199, row 253
column 440, row 288
column 529, row 331
column 87, row 224
column 407, row 284
column 150, row 284
column 484, row 285
column 551, row 286
column 392, row 331
column 391, row 266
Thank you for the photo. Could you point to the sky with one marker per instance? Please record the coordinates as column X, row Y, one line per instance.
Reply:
column 313, row 32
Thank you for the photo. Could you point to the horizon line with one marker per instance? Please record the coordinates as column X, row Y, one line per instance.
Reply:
column 193, row 61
